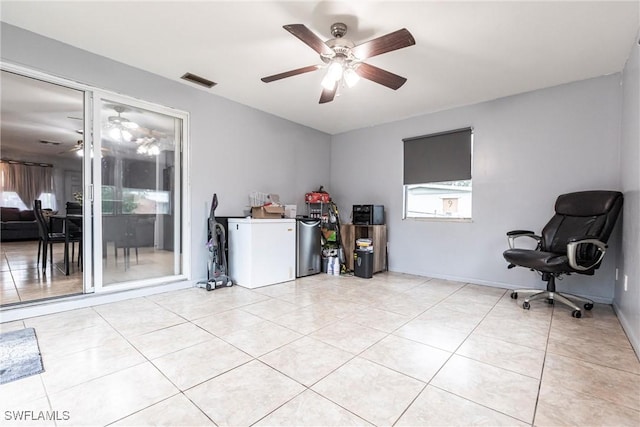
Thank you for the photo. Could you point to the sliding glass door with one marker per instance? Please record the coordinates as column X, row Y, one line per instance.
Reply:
column 113, row 185
column 137, row 164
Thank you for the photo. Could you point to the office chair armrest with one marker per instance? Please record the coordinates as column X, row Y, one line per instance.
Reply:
column 513, row 235
column 572, row 252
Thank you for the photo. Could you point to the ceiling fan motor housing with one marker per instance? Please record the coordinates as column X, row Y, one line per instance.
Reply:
column 341, row 47
column 338, row 51
column 338, row 30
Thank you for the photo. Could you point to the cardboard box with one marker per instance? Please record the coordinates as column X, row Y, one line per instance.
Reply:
column 267, row 212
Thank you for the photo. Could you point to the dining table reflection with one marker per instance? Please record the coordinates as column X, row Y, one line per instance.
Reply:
column 72, row 229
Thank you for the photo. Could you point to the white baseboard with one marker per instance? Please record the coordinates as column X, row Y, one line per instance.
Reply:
column 598, row 299
column 626, row 325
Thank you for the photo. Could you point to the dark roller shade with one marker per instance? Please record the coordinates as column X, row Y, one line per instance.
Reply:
column 438, row 157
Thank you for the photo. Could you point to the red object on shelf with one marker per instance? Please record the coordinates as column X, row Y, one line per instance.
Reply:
column 317, row 197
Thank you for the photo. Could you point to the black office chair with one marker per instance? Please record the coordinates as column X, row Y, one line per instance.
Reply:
column 573, row 241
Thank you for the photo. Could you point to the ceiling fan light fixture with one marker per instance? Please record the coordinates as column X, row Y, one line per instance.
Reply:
column 351, row 78
column 149, row 146
column 80, row 153
column 129, row 124
column 120, row 135
column 328, row 82
column 335, row 70
column 120, row 123
column 114, row 133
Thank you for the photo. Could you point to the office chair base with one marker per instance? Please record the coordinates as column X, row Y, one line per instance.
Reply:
column 564, row 298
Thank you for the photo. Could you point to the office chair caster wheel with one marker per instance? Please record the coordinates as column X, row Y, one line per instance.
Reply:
column 588, row 306
column 514, row 295
column 576, row 313
column 526, row 305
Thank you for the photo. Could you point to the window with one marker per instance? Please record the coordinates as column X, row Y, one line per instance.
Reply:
column 437, row 175
column 10, row 199
column 23, row 182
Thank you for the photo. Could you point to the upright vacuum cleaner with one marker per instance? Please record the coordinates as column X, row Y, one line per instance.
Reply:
column 217, row 265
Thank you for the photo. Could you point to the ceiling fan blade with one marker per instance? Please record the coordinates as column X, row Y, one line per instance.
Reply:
column 73, row 149
column 309, row 38
column 392, row 41
column 380, row 76
column 327, row 95
column 290, row 73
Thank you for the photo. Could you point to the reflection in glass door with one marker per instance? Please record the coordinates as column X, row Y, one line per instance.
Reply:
column 137, row 181
column 42, row 127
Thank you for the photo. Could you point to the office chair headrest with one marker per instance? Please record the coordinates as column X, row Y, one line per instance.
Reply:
column 587, row 203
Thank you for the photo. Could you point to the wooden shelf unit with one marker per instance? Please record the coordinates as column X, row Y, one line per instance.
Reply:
column 377, row 233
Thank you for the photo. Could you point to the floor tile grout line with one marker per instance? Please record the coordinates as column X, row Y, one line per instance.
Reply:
column 577, row 359
column 410, row 404
column 479, row 404
column 147, row 407
column 544, row 364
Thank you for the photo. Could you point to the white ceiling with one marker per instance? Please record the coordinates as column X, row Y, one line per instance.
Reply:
column 39, row 117
column 465, row 52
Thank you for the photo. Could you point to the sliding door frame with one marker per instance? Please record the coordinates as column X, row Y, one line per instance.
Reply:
column 180, row 198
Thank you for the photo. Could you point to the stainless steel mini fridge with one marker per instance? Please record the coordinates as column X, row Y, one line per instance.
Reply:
column 308, row 246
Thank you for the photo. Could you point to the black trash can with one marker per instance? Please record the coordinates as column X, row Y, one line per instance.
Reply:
column 363, row 264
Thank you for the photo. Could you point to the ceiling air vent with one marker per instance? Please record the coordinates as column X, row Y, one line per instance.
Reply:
column 198, row 80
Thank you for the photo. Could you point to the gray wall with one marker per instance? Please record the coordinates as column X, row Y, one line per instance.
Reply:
column 628, row 303
column 528, row 149
column 234, row 149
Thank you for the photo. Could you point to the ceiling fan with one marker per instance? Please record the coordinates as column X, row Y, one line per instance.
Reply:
column 151, row 142
column 119, row 128
column 78, row 149
column 344, row 59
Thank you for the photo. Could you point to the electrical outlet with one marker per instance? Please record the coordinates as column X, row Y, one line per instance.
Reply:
column 626, row 282
column 616, row 274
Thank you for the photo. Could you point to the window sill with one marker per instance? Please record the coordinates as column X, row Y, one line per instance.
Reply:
column 427, row 219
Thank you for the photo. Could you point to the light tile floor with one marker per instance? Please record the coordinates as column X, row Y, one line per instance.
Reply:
column 331, row 351
column 21, row 279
